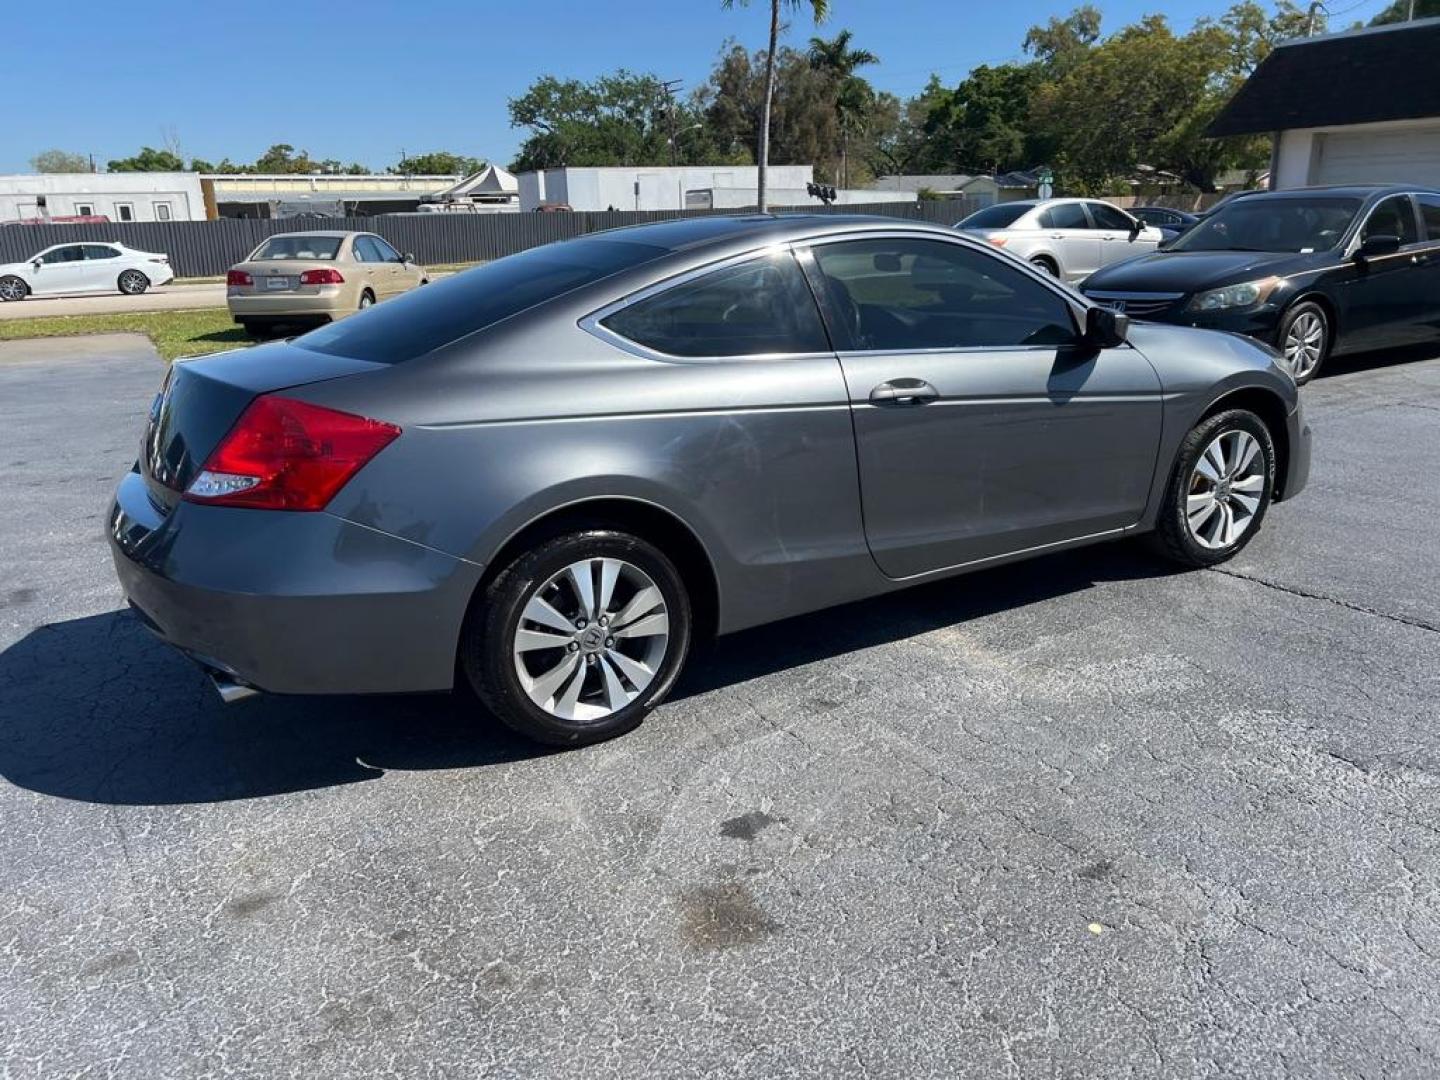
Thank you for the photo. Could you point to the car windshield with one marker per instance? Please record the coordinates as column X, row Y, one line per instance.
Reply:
column 999, row 216
column 425, row 319
column 1268, row 224
column 310, row 247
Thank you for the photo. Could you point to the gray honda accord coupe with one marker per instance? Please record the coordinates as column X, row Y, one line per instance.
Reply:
column 544, row 479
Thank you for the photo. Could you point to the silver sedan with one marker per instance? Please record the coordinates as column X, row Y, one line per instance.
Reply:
column 1067, row 238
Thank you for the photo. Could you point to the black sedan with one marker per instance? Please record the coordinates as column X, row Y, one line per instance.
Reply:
column 1314, row 272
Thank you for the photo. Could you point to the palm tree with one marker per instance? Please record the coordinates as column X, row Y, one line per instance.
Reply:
column 853, row 97
column 819, row 9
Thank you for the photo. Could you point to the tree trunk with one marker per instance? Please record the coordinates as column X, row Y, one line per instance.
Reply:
column 765, row 108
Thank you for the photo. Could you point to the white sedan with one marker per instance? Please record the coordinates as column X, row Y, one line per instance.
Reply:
column 84, row 268
column 1067, row 238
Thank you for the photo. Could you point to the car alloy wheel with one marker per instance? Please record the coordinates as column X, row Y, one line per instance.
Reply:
column 1225, row 490
column 12, row 288
column 366, row 300
column 133, row 282
column 1304, row 344
column 591, row 639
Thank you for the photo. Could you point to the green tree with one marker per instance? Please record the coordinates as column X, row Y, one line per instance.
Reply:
column 984, row 123
column 59, row 161
column 1405, row 10
column 854, row 97
column 148, row 160
column 819, row 9
column 201, row 165
column 1061, row 44
column 618, row 119
column 438, row 163
column 803, row 124
column 282, row 158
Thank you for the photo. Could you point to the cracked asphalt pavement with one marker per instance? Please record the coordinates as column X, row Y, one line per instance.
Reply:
column 1081, row 817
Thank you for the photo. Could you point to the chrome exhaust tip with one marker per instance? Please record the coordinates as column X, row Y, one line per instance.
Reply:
column 229, row 690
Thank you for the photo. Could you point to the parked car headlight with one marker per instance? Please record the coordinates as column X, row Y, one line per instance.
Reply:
column 1245, row 295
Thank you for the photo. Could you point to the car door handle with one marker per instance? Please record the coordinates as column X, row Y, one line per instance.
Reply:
column 904, row 392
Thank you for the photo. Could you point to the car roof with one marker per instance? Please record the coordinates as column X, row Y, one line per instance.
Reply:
column 338, row 233
column 1359, row 191
column 690, row 234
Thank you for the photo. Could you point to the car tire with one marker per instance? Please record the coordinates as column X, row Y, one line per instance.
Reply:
column 1238, row 478
column 132, row 282
column 1305, row 337
column 367, row 299
column 13, row 288
column 578, row 692
column 1047, row 264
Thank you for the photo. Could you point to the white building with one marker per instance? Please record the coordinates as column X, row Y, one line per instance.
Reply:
column 1346, row 108
column 138, row 196
column 678, row 188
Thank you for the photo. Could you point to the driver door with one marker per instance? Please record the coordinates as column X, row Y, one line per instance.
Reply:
column 983, row 426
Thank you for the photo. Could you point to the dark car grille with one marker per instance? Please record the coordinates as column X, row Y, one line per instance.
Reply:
column 1138, row 305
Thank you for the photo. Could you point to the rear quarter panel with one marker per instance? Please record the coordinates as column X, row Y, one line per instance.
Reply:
column 755, row 456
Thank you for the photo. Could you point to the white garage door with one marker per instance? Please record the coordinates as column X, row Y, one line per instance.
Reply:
column 1411, row 156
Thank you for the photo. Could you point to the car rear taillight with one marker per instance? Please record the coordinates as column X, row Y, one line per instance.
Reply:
column 323, row 276
column 238, row 277
column 284, row 454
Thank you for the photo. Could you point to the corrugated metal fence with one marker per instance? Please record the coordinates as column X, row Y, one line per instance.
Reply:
column 207, row 248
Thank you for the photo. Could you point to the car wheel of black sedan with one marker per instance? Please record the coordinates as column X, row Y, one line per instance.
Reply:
column 1221, row 487
column 576, row 640
column 1305, row 339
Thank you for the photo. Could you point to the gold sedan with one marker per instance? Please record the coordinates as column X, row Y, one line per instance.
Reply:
column 304, row 279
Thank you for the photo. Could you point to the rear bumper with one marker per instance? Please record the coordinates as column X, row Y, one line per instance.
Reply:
column 295, row 603
column 330, row 302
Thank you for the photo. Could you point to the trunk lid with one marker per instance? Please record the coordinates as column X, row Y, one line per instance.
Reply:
column 201, row 400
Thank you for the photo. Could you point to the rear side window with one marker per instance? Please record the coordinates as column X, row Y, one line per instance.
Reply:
column 443, row 312
column 312, row 247
column 1430, row 211
column 759, row 307
column 100, row 251
column 1064, row 216
column 999, row 216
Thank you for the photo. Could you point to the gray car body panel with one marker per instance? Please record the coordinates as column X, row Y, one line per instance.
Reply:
column 756, row 457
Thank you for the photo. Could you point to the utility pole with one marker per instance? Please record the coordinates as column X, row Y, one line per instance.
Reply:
column 1315, row 7
column 669, row 86
column 1410, row 13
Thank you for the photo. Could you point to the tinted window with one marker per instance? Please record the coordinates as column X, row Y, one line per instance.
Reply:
column 1430, row 211
column 1156, row 216
column 1271, row 223
column 1392, row 217
column 1064, row 216
column 100, row 251
column 923, row 294
column 999, row 216
column 70, row 253
column 387, row 253
column 761, row 306
column 312, row 246
column 1107, row 217
column 423, row 320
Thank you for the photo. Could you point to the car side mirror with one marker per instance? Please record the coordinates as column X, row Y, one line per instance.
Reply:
column 1105, row 329
column 1136, row 228
column 35, row 263
column 1375, row 246
column 408, row 257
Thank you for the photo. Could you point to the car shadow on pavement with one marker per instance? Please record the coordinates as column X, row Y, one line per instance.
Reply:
column 98, row 710
column 1354, row 363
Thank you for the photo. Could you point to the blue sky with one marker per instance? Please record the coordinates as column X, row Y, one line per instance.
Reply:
column 231, row 79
